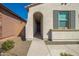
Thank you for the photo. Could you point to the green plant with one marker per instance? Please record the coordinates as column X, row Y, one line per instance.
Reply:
column 7, row 45
column 65, row 54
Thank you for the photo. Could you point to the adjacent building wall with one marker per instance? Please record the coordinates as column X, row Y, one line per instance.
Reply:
column 11, row 25
column 0, row 25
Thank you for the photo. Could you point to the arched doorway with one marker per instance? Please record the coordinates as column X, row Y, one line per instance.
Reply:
column 38, row 24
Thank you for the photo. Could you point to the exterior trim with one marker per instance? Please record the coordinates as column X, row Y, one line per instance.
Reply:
column 66, row 30
column 32, row 5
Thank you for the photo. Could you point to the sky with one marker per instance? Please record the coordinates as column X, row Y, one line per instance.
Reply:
column 18, row 8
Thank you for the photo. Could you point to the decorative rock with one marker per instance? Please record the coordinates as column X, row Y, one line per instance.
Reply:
column 5, row 54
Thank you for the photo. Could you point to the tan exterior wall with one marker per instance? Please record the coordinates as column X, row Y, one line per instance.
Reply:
column 47, row 11
column 0, row 25
column 29, row 27
column 65, row 35
column 11, row 25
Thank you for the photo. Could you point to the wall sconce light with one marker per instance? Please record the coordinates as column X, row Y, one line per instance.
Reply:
column 63, row 3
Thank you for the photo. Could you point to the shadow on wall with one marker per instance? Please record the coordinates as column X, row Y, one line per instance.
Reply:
column 8, row 14
column 49, row 35
column 22, row 34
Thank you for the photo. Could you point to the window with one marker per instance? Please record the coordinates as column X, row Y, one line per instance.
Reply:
column 63, row 19
column 4, row 12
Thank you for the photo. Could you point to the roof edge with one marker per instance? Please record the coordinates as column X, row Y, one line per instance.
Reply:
column 7, row 9
column 32, row 5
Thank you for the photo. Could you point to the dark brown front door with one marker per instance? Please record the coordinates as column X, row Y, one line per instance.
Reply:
column 38, row 17
column 38, row 27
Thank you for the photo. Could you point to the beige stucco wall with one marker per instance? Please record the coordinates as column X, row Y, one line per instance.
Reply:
column 29, row 27
column 65, row 36
column 47, row 11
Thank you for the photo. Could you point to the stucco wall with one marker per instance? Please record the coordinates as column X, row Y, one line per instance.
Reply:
column 29, row 27
column 47, row 11
column 11, row 25
column 0, row 25
column 65, row 36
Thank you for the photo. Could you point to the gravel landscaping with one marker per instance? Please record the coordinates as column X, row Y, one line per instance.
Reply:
column 67, row 48
column 20, row 49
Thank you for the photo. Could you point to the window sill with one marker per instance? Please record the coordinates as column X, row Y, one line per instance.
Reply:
column 64, row 30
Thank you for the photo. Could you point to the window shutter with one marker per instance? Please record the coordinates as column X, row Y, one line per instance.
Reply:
column 72, row 19
column 55, row 19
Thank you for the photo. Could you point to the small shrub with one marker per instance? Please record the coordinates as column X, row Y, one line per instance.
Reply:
column 65, row 54
column 7, row 45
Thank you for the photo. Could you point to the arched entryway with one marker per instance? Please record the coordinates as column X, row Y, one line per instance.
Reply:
column 38, row 25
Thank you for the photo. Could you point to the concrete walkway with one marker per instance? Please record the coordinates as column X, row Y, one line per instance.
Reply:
column 38, row 48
